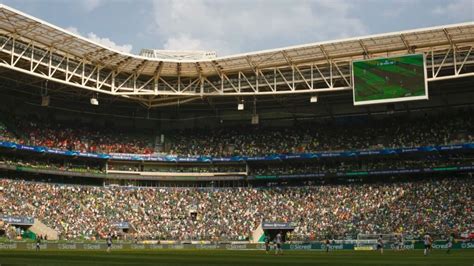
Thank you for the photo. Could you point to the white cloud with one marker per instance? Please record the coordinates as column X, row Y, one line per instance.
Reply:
column 459, row 8
column 182, row 42
column 90, row 5
column 127, row 48
column 231, row 27
column 73, row 30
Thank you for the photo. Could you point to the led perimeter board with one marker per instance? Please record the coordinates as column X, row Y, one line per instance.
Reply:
column 393, row 79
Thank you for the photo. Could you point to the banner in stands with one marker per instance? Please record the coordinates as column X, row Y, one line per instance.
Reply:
column 314, row 246
column 368, row 173
column 204, row 159
column 121, row 225
column 318, row 246
column 277, row 226
column 17, row 220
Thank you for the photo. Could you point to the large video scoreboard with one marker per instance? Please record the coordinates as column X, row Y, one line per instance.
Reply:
column 392, row 79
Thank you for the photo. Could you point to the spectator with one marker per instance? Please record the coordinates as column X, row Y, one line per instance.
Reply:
column 437, row 206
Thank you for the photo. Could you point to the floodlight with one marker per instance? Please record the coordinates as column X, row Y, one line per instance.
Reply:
column 94, row 101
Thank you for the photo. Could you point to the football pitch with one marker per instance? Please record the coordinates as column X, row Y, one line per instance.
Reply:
column 237, row 257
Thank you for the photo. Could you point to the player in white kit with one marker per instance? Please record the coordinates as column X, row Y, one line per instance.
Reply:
column 427, row 240
column 278, row 241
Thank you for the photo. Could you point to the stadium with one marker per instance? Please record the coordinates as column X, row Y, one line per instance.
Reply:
column 347, row 147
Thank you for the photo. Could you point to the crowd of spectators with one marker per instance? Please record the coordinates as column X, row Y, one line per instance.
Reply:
column 78, row 138
column 335, row 135
column 10, row 231
column 5, row 134
column 51, row 164
column 430, row 205
column 317, row 137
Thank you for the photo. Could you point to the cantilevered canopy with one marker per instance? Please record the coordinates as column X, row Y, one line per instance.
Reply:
column 33, row 46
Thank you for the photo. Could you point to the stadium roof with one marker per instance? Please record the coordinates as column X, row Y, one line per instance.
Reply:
column 219, row 76
column 31, row 28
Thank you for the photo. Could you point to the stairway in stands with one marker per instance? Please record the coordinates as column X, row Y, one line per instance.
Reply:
column 40, row 229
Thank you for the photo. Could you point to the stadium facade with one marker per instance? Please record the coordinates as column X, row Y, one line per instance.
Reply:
column 76, row 112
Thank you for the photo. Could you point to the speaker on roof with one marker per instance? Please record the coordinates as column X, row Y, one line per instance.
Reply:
column 254, row 119
column 44, row 100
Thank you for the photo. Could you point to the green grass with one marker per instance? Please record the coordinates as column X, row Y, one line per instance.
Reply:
column 237, row 257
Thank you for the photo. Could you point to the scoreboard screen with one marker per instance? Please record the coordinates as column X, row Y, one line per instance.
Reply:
column 393, row 79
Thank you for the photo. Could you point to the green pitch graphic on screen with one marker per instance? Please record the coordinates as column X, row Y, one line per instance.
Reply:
column 393, row 79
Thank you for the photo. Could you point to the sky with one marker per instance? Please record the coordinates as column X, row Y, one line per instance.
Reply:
column 238, row 26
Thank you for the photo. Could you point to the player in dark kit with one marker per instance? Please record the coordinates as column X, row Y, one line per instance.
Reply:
column 38, row 242
column 109, row 242
column 267, row 243
column 401, row 243
column 380, row 244
column 450, row 243
column 327, row 245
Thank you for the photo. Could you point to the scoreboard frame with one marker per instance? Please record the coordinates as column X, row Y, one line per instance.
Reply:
column 391, row 100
